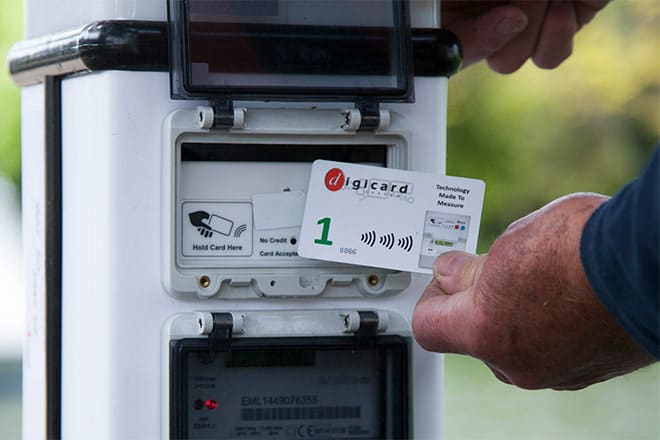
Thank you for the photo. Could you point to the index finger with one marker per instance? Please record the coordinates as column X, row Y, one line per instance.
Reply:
column 512, row 56
column 487, row 32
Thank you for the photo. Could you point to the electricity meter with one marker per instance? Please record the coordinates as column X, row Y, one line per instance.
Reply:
column 169, row 144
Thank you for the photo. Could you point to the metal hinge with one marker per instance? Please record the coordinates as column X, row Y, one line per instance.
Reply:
column 365, row 325
column 221, row 115
column 366, row 117
column 220, row 328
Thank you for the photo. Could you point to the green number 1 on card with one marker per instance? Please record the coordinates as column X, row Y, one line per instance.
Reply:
column 325, row 222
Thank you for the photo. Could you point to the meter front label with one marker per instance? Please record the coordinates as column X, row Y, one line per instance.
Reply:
column 216, row 229
column 293, row 394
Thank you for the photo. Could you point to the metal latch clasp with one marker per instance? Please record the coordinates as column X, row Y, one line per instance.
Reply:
column 220, row 327
column 365, row 325
column 366, row 118
column 221, row 116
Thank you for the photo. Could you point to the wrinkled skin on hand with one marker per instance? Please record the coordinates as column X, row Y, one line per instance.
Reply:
column 526, row 308
column 508, row 33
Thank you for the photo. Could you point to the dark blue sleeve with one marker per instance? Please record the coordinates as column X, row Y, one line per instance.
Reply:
column 620, row 249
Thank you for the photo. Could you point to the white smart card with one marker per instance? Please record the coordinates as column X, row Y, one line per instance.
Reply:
column 388, row 218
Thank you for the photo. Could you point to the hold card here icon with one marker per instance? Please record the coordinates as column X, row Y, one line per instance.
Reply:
column 207, row 223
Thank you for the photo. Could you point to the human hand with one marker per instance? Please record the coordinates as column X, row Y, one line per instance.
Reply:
column 507, row 33
column 526, row 308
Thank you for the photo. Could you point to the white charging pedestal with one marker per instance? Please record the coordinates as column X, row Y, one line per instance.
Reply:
column 106, row 176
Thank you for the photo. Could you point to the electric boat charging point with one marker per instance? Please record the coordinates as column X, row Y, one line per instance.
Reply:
column 167, row 148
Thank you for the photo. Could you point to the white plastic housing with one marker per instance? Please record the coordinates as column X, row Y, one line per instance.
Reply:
column 114, row 306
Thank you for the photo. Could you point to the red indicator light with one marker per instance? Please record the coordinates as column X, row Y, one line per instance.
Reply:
column 211, row 404
column 456, row 227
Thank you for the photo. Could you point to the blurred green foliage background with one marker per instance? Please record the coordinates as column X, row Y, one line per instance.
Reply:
column 10, row 117
column 532, row 136
column 588, row 125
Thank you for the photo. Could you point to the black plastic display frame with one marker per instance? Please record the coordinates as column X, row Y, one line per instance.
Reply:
column 182, row 86
column 142, row 46
column 396, row 407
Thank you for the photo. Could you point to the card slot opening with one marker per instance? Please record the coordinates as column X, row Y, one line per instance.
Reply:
column 375, row 154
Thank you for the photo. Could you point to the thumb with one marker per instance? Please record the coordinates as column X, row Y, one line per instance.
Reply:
column 486, row 34
column 457, row 271
column 440, row 322
column 443, row 315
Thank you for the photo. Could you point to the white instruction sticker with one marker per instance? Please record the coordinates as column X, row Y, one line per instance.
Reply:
column 282, row 209
column 216, row 229
column 388, row 218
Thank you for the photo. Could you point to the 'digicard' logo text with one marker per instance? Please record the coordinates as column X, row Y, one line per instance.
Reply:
column 336, row 179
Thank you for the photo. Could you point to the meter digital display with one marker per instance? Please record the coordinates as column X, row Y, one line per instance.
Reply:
column 285, row 388
column 293, row 49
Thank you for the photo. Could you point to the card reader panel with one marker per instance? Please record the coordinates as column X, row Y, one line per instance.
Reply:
column 234, row 221
column 234, row 200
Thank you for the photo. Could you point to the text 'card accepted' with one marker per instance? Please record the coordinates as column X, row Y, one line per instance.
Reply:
column 388, row 218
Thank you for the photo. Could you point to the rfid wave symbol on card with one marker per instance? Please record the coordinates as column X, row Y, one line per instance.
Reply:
column 369, row 238
column 405, row 243
column 387, row 240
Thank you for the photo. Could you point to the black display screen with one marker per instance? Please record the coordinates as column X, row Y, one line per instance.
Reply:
column 293, row 49
column 290, row 388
